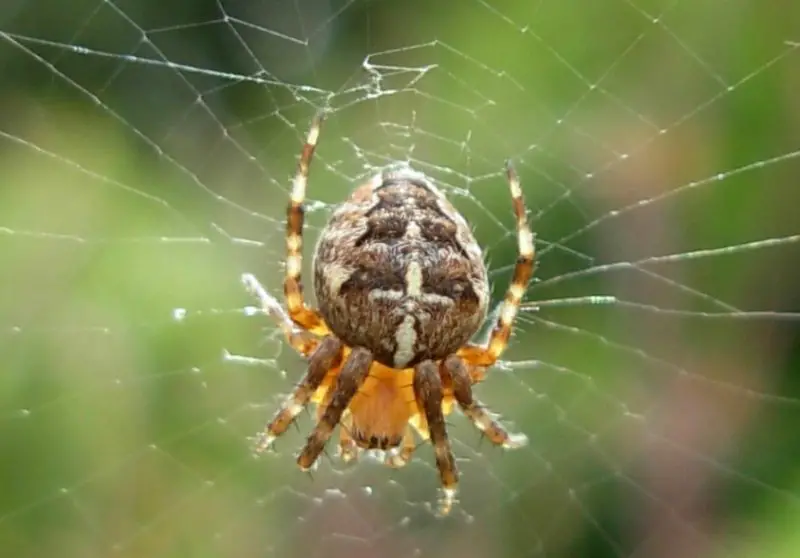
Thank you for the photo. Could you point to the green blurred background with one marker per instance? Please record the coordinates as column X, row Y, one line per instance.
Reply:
column 661, row 424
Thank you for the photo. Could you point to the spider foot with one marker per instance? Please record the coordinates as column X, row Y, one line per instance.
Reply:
column 399, row 457
column 446, row 502
column 300, row 339
column 348, row 449
column 269, row 304
column 348, row 452
column 262, row 442
column 515, row 440
column 395, row 459
column 306, row 466
column 490, row 428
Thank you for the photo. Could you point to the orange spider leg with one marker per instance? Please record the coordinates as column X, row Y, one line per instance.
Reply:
column 292, row 286
column 483, row 356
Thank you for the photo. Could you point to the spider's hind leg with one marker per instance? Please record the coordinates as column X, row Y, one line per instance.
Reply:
column 325, row 357
column 348, row 449
column 401, row 455
column 354, row 372
column 456, row 374
column 429, row 394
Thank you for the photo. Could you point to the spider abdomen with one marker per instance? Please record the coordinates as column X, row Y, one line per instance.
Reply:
column 398, row 271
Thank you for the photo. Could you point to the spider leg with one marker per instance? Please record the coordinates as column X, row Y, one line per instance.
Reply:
column 292, row 286
column 401, row 456
column 325, row 357
column 523, row 271
column 457, row 375
column 429, row 393
column 354, row 372
column 304, row 342
column 348, row 449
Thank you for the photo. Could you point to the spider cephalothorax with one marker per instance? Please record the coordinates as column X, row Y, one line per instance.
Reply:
column 401, row 287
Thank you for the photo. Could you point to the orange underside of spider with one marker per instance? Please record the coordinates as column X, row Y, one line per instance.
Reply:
column 383, row 407
column 385, row 404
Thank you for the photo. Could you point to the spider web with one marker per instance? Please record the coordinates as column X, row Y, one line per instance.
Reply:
column 147, row 149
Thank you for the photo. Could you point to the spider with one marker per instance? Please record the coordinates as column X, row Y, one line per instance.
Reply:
column 402, row 288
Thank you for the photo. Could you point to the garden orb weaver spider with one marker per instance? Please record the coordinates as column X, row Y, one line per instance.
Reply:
column 401, row 287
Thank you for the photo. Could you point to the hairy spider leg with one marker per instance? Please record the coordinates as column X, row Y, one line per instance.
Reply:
column 302, row 341
column 295, row 213
column 399, row 457
column 523, row 271
column 456, row 376
column 354, row 372
column 430, row 395
column 348, row 449
column 326, row 357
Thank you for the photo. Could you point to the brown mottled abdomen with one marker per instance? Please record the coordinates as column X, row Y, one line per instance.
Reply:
column 398, row 271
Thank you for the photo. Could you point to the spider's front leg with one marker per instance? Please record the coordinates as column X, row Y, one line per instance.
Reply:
column 301, row 340
column 326, row 357
column 299, row 312
column 523, row 271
